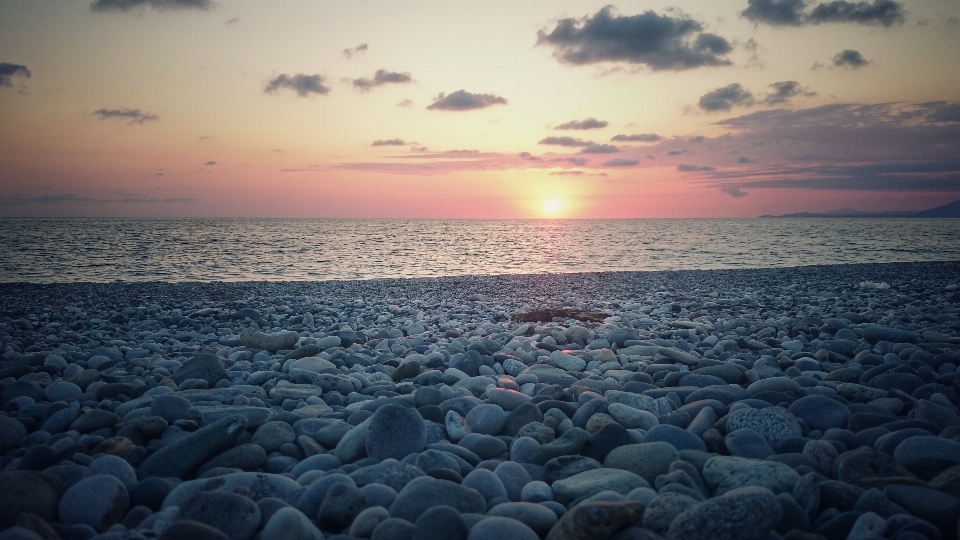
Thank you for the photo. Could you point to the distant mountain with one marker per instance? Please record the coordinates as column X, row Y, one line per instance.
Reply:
column 949, row 210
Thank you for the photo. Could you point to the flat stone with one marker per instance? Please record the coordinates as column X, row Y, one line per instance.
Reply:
column 748, row 513
column 664, row 509
column 246, row 457
column 570, row 443
column 594, row 481
column 747, row 443
column 497, row 528
column 927, row 457
column 596, row 520
column 508, row 400
column 679, row 438
column 256, row 339
column 725, row 473
column 648, row 460
column 295, row 391
column 184, row 456
column 234, row 515
column 820, row 412
column 440, row 523
column 414, row 500
column 207, row 367
column 631, row 417
column 392, row 473
column 288, row 522
column 774, row 423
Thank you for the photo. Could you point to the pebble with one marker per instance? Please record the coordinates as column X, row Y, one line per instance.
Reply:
column 234, row 515
column 98, row 501
column 821, row 391
column 497, row 528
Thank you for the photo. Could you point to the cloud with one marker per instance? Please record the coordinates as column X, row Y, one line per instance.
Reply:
column 361, row 48
column 640, row 137
column 775, row 12
column 18, row 199
column 589, row 123
column 134, row 115
column 232, row 21
column 880, row 12
column 660, row 42
column 303, row 85
column 380, row 78
column 683, row 167
column 599, row 149
column 849, row 58
column 565, row 141
column 621, row 162
column 567, row 173
column 675, row 152
column 405, row 103
column 461, row 100
column 389, row 142
column 744, row 159
column 785, row 91
column 528, row 156
column 578, row 161
column 210, row 163
column 724, row 99
column 8, row 71
column 733, row 191
column 125, row 6
column 791, row 12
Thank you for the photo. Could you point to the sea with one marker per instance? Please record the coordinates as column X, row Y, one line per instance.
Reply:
column 204, row 250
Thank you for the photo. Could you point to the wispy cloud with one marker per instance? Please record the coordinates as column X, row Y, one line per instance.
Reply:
column 359, row 49
column 19, row 199
column 599, row 149
column 380, row 78
column 640, row 137
column 683, row 167
column 660, row 42
column 621, row 162
column 135, row 116
column 527, row 156
column 303, row 85
column 589, row 123
column 125, row 6
column 461, row 100
column 792, row 12
column 565, row 141
column 725, row 98
column 405, row 103
column 733, row 191
column 390, row 142
column 8, row 71
column 784, row 91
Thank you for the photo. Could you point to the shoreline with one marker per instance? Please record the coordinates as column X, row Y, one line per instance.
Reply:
column 812, row 399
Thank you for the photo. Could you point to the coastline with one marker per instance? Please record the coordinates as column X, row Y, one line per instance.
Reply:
column 812, row 374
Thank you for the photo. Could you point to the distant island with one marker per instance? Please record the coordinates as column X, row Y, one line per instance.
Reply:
column 949, row 210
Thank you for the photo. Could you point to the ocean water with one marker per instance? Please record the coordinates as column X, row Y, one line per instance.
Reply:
column 104, row 250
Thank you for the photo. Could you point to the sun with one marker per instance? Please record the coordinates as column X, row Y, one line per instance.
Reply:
column 552, row 206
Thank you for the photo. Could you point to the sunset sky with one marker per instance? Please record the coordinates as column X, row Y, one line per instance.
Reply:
column 477, row 109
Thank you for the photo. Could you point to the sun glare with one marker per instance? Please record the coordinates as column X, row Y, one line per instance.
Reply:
column 552, row 207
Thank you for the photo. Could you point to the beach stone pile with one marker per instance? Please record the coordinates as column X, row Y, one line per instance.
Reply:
column 801, row 403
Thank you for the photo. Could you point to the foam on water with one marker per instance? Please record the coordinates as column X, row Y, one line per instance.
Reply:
column 103, row 250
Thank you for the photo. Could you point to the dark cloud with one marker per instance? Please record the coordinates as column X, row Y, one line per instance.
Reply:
column 744, row 159
column 600, row 149
column 565, row 141
column 8, row 71
column 942, row 111
column 791, row 12
column 698, row 139
column 675, row 152
column 210, row 163
column 683, row 167
column 775, row 12
column 578, row 161
column 528, row 156
column 660, row 42
column 785, row 91
column 567, row 173
column 135, row 116
column 849, row 58
column 641, row 137
column 621, row 162
column 724, row 99
column 589, row 123
column 303, row 85
column 380, row 78
column 461, row 100
column 361, row 48
column 733, row 191
column 124, row 6
column 389, row 142
column 880, row 12
column 913, row 175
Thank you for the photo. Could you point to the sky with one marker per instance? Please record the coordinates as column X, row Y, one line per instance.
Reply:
column 477, row 108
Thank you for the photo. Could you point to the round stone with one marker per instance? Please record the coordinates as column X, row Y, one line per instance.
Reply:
column 98, row 501
column 748, row 513
column 234, row 515
column 395, row 431
column 498, row 528
column 821, row 412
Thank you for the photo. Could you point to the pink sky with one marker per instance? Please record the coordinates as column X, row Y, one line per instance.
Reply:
column 477, row 109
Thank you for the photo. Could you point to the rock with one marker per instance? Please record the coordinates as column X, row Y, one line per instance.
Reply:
column 724, row 473
column 497, row 528
column 594, row 481
column 440, row 523
column 748, row 513
column 353, row 445
column 856, row 466
column 59, row 421
column 774, row 423
column 569, row 443
column 295, row 391
column 288, row 522
column 926, row 457
column 605, row 440
column 367, row 520
column 184, row 456
column 484, row 446
column 678, row 438
column 536, row 491
column 98, row 501
column 664, row 509
column 747, row 443
column 937, row 507
column 394, row 432
column 562, row 467
column 247, row 457
column 207, row 367
column 567, row 362
column 648, row 460
column 170, row 407
column 632, row 418
column 394, row 529
column 11, row 433
column 61, row 391
column 869, row 525
column 272, row 435
column 486, row 419
column 820, row 412
column 234, row 515
column 596, row 520
column 536, row 516
column 519, row 417
column 414, row 500
column 256, row 339
column 191, row 530
column 508, row 400
column 486, row 483
column 341, row 504
column 392, row 473
column 312, row 498
column 114, row 466
column 22, row 491
column 91, row 420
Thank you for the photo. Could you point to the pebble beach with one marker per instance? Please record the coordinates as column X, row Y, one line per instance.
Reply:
column 790, row 403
